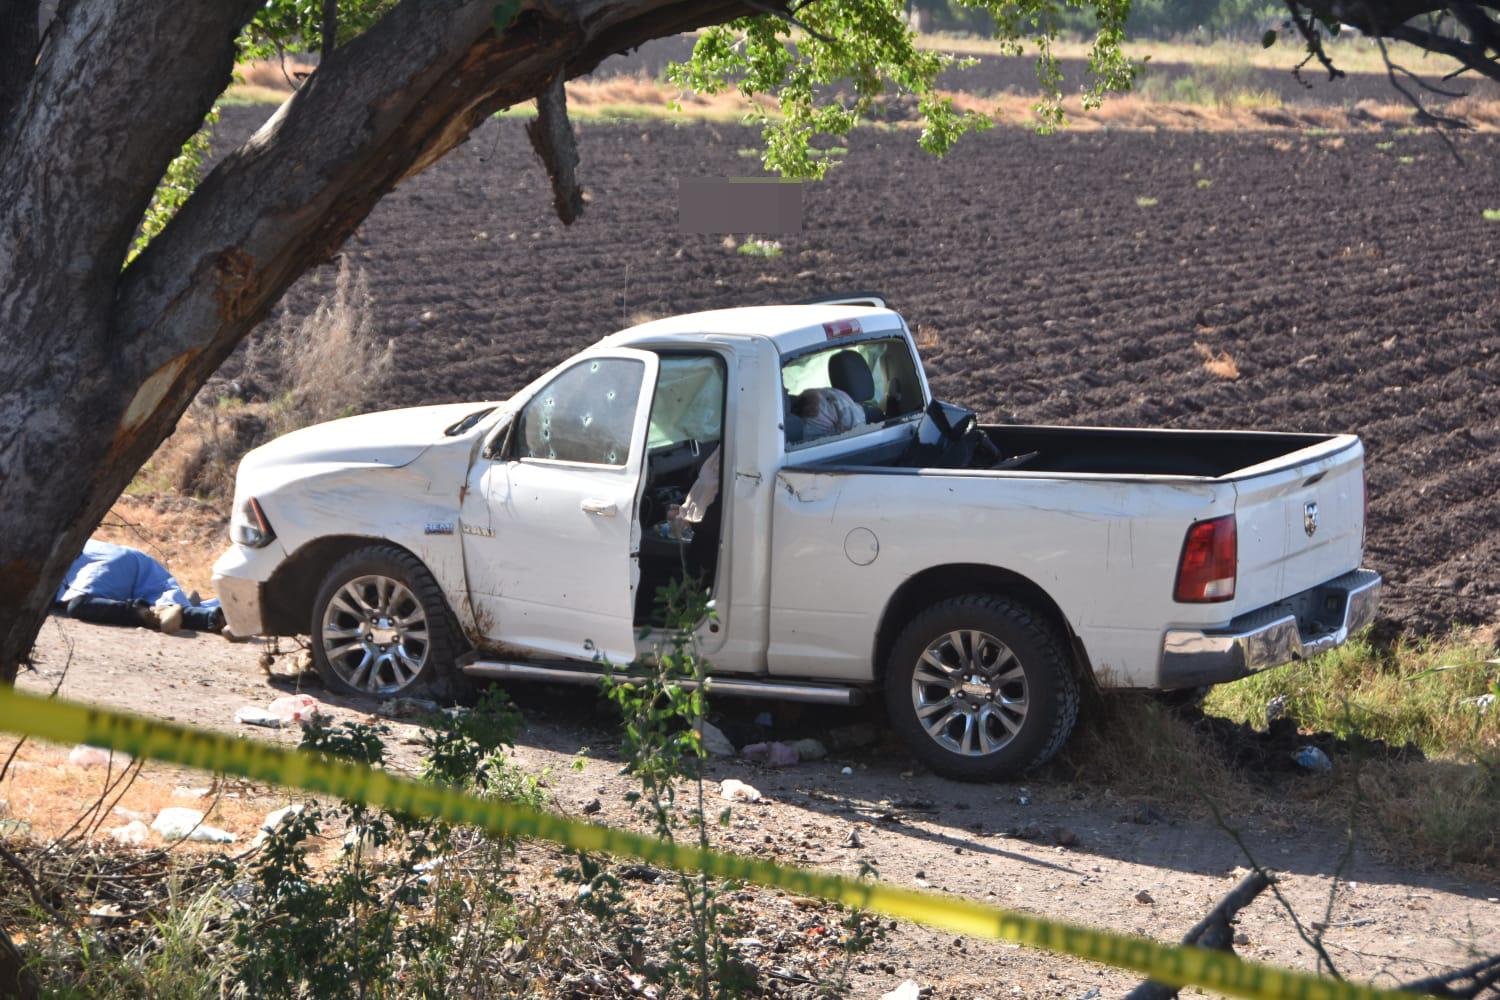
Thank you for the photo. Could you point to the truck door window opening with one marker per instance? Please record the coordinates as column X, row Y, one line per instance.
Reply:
column 686, row 427
column 586, row 414
column 880, row 376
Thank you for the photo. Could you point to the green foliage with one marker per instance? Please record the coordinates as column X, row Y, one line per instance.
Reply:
column 1145, row 202
column 826, row 77
column 283, row 27
column 1426, row 693
column 760, row 248
column 1492, row 214
column 663, row 707
column 176, row 185
column 342, row 930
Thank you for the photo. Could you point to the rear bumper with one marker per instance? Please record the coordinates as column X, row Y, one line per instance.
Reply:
column 1300, row 627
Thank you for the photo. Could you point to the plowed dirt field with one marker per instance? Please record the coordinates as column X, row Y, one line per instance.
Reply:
column 1336, row 283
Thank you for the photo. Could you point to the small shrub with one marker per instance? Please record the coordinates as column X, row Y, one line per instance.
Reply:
column 331, row 362
column 1204, row 184
column 1492, row 214
column 760, row 248
column 1145, row 202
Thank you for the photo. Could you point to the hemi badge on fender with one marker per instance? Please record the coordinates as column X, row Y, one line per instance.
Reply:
column 474, row 529
column 439, row 527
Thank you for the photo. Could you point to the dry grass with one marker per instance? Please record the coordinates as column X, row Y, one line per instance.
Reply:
column 927, row 337
column 1351, row 55
column 184, row 534
column 48, row 793
column 330, row 363
column 1134, row 111
column 1212, row 109
column 1217, row 363
column 265, row 82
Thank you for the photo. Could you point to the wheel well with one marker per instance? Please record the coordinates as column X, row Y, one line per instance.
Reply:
column 942, row 582
column 289, row 594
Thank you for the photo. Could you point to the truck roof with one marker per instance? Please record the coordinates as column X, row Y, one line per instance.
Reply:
column 790, row 327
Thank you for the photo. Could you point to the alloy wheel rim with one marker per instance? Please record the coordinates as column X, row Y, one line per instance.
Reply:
column 375, row 634
column 970, row 693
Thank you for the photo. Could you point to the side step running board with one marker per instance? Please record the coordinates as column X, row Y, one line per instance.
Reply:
column 821, row 694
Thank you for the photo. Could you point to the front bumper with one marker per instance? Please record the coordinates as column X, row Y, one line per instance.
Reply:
column 239, row 590
column 1298, row 628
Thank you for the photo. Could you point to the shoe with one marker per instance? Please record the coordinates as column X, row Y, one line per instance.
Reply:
column 169, row 618
column 147, row 617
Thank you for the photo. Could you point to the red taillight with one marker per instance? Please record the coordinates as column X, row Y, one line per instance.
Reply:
column 1206, row 571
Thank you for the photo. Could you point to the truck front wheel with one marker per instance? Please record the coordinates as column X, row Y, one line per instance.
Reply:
column 380, row 626
column 981, row 688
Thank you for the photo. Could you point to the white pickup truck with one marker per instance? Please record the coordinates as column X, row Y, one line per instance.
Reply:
column 977, row 575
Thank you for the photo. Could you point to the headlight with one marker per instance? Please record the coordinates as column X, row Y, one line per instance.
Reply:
column 249, row 526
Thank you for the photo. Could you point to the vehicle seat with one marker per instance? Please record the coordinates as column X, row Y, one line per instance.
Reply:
column 848, row 370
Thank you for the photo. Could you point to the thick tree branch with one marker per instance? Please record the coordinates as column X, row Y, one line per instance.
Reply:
column 18, row 45
column 329, row 28
column 1214, row 931
column 551, row 135
column 138, row 345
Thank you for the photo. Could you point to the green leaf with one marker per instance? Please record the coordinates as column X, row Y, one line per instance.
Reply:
column 1268, row 39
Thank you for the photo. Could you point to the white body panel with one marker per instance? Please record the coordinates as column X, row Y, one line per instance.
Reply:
column 810, row 556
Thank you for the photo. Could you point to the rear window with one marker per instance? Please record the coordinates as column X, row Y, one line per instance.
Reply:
column 847, row 387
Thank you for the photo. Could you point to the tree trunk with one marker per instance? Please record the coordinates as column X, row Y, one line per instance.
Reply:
column 97, row 365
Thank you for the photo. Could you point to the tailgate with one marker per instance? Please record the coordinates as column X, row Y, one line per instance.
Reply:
column 1300, row 520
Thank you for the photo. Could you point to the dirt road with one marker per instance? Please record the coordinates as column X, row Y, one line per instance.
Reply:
column 1387, row 923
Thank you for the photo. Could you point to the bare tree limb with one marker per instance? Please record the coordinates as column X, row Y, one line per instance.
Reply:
column 789, row 18
column 552, row 136
column 1214, row 931
column 1312, row 941
column 330, row 28
column 1484, row 973
column 16, row 979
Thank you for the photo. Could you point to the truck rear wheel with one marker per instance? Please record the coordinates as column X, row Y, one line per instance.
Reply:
column 981, row 688
column 381, row 627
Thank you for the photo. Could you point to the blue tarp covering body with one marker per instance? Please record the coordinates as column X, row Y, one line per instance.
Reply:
column 119, row 573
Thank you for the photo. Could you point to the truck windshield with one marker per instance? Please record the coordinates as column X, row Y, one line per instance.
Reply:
column 844, row 387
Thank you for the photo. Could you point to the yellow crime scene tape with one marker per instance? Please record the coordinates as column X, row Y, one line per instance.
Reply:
column 1176, row 965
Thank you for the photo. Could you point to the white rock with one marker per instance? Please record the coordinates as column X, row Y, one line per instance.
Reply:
column 132, row 834
column 908, row 990
column 715, row 742
column 734, row 790
column 183, row 792
column 178, row 823
column 847, row 770
column 253, row 715
column 809, row 749
column 131, row 815
column 84, row 755
column 274, row 819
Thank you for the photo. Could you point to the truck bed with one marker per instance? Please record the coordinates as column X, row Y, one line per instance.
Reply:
column 1104, row 451
column 1095, row 520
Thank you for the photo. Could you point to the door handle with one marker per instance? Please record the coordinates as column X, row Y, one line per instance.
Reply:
column 602, row 508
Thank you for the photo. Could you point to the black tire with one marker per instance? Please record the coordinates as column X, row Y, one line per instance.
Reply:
column 434, row 647
column 1026, row 657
